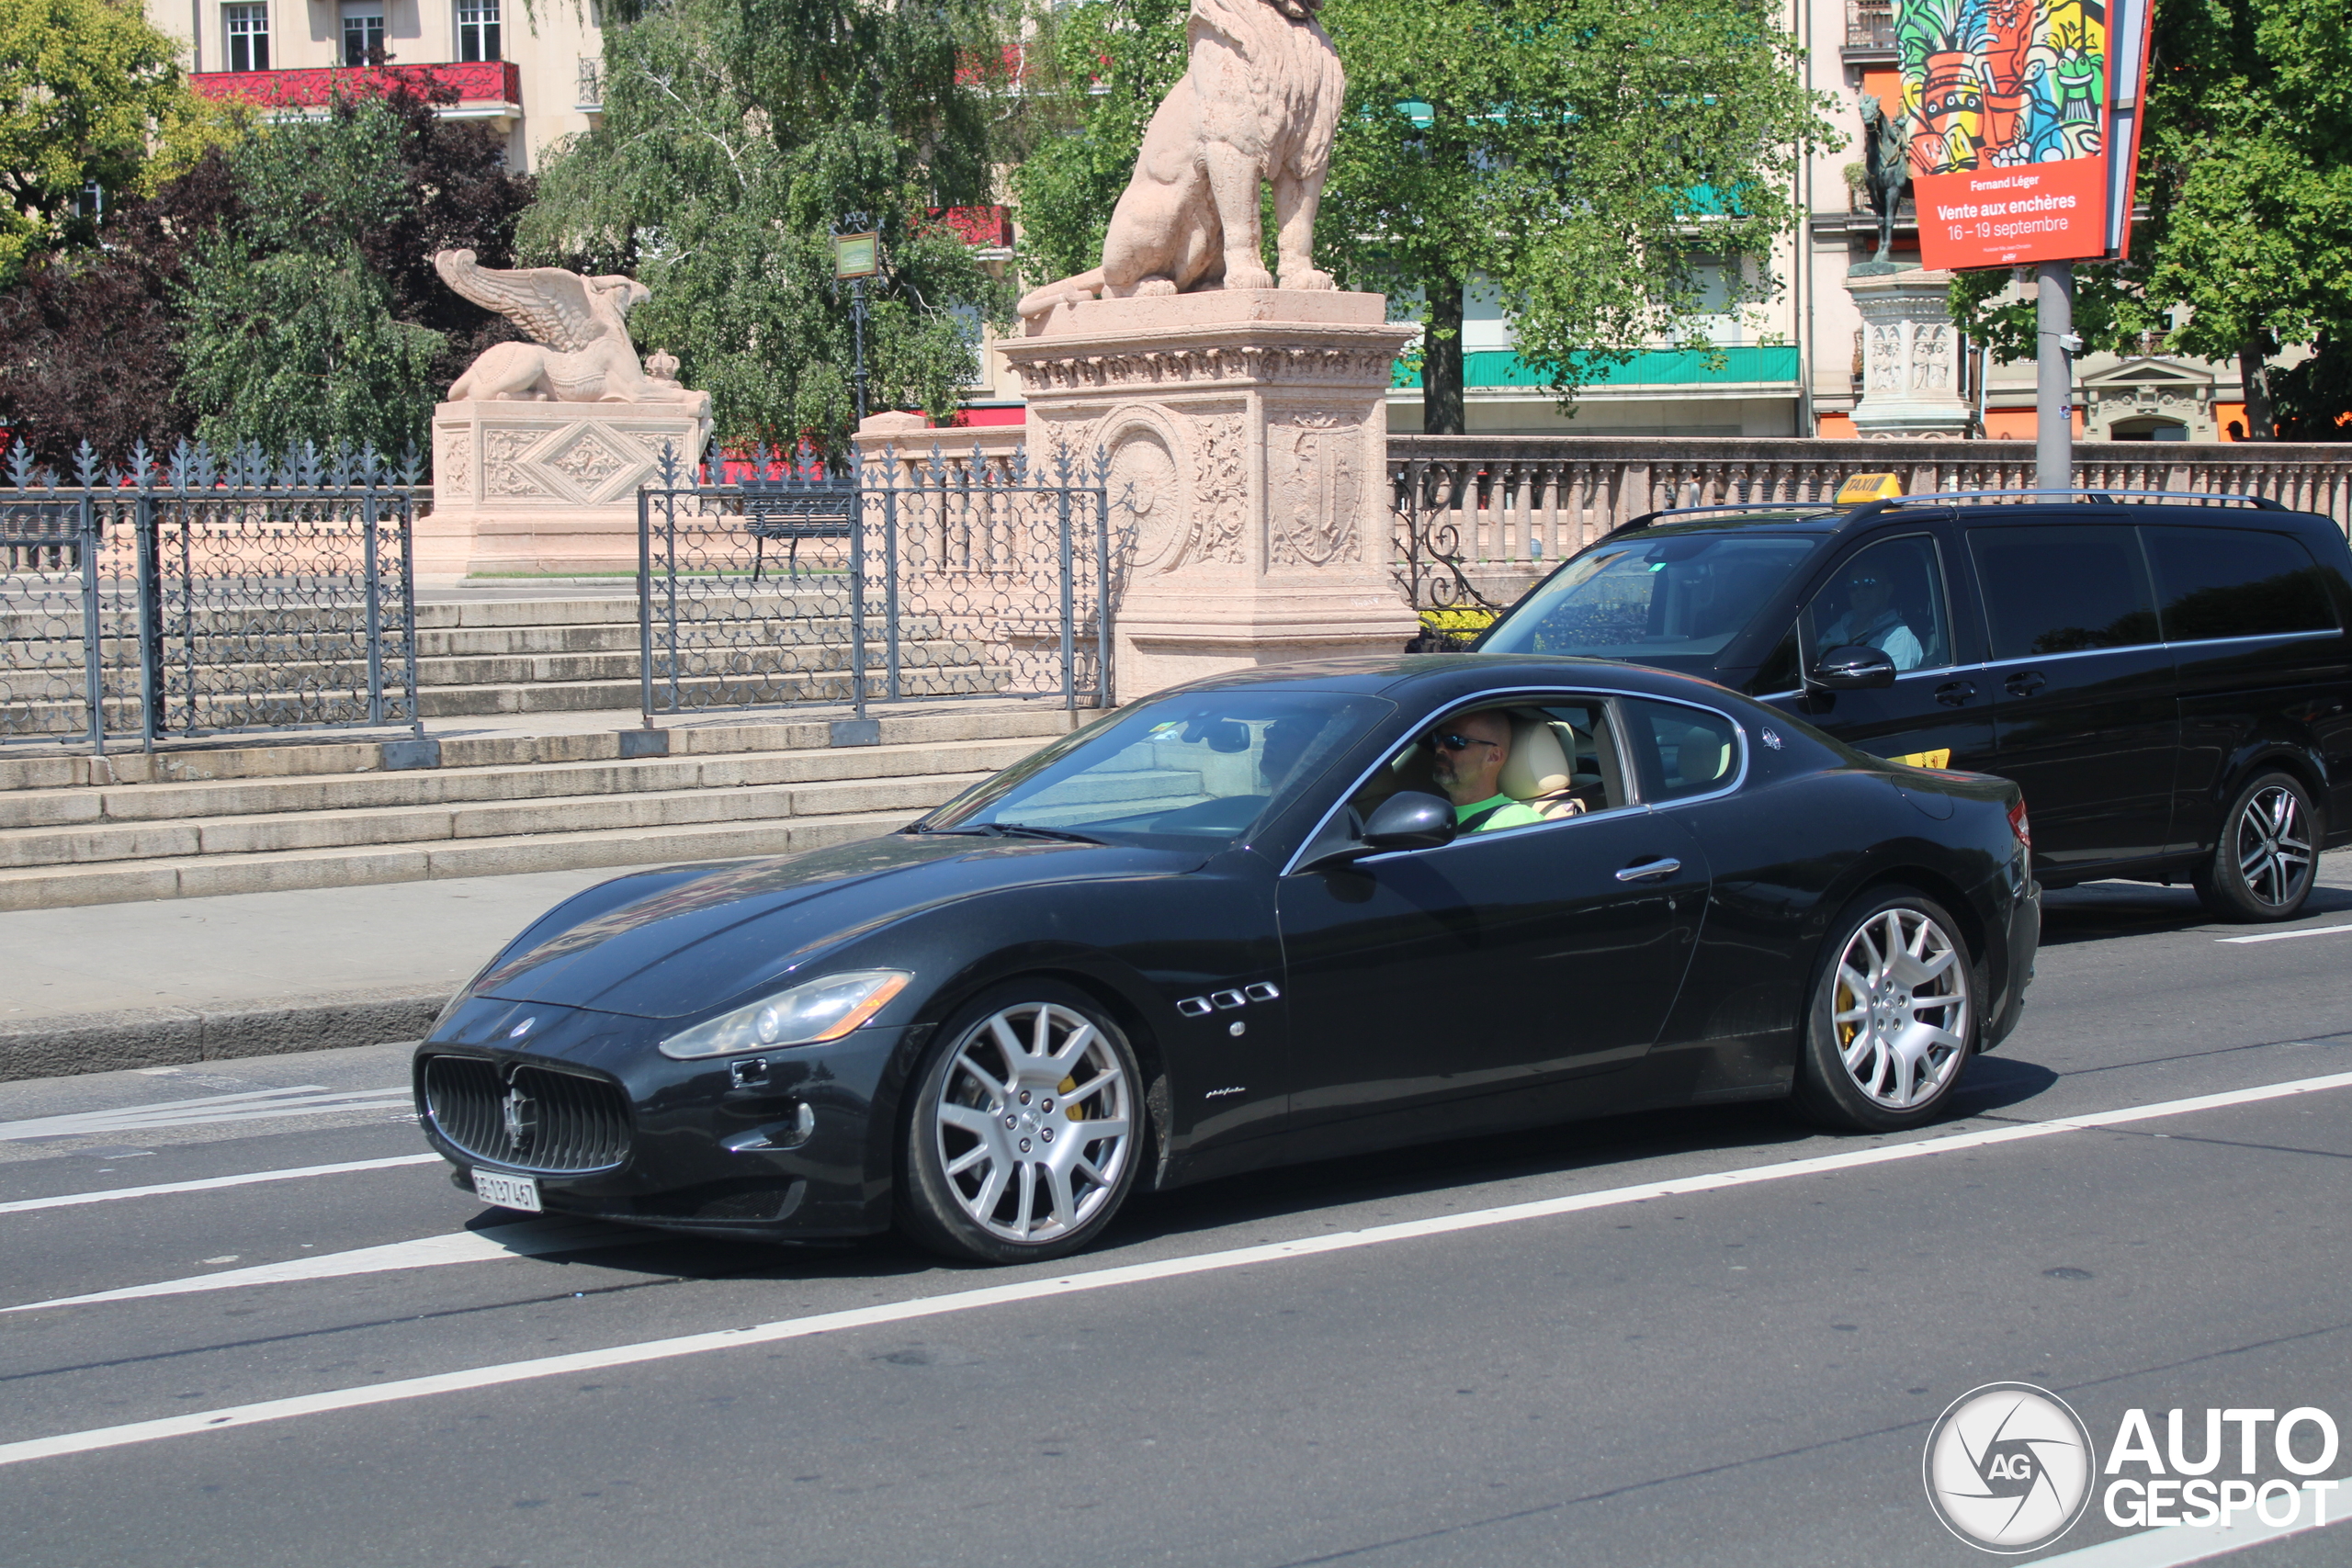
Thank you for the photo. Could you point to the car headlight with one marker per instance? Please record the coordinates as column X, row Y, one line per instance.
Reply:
column 806, row 1015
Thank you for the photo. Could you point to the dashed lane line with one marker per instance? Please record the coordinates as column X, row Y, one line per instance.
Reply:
column 2285, row 936
column 301, row 1100
column 532, row 1238
column 1118, row 1275
column 210, row 1183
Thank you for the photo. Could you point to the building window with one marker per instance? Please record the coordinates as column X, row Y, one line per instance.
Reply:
column 363, row 31
column 248, row 30
column 478, row 29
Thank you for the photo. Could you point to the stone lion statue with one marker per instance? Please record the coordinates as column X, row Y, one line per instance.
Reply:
column 583, row 353
column 1258, row 103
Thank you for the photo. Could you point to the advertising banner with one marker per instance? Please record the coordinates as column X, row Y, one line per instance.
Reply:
column 2010, row 109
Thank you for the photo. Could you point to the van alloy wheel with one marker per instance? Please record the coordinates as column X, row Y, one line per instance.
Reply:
column 2265, row 865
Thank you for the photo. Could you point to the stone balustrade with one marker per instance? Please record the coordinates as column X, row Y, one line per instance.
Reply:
column 1510, row 507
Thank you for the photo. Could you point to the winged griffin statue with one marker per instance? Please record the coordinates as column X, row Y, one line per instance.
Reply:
column 583, row 352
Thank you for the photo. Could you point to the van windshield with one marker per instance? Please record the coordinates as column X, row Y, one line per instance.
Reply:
column 1672, row 601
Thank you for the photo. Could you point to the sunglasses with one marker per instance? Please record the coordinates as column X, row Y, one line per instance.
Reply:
column 1450, row 742
column 1865, row 582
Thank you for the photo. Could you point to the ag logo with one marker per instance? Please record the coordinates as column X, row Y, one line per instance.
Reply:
column 2009, row 1467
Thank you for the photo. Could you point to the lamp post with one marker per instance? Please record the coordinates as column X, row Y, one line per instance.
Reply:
column 857, row 255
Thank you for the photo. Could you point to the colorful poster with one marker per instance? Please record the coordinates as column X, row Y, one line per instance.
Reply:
column 2007, row 103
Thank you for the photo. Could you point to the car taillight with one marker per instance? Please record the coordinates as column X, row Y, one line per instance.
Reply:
column 2021, row 826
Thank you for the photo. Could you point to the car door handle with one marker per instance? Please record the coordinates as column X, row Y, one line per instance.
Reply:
column 2024, row 683
column 1664, row 865
column 1952, row 693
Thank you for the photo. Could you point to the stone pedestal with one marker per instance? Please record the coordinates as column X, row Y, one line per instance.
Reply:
column 1910, row 354
column 546, row 487
column 1249, row 428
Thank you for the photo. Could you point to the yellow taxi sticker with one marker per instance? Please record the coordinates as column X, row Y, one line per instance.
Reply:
column 1859, row 488
column 1938, row 759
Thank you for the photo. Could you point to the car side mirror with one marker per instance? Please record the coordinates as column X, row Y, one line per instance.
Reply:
column 1409, row 819
column 1854, row 668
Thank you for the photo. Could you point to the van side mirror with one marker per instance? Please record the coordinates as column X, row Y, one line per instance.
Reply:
column 1854, row 668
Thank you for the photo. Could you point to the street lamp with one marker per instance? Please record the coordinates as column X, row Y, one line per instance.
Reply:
column 857, row 255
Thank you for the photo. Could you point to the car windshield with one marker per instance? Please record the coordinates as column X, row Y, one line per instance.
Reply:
column 1672, row 601
column 1188, row 768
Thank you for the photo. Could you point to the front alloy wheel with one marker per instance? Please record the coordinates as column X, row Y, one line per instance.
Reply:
column 1892, row 1020
column 2262, row 869
column 1022, row 1138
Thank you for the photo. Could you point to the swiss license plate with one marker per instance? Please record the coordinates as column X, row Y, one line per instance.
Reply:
column 507, row 1192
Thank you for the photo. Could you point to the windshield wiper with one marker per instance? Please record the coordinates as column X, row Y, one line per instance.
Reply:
column 1021, row 829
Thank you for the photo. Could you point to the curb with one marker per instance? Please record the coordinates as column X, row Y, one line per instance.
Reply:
column 169, row 1037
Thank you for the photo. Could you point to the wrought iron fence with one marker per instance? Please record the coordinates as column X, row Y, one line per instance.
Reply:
column 774, row 581
column 215, row 592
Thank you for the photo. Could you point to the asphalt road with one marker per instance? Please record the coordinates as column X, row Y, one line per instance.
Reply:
column 1736, row 1373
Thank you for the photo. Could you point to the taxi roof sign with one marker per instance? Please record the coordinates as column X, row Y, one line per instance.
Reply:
column 1859, row 488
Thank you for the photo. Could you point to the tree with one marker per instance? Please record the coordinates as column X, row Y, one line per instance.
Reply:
column 1603, row 162
column 736, row 134
column 86, row 88
column 318, row 317
column 2245, row 168
column 89, row 340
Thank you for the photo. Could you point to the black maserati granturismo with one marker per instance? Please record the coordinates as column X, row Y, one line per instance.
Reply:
column 1279, row 915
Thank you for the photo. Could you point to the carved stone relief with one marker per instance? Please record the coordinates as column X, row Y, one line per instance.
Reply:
column 1220, row 491
column 453, row 465
column 1143, row 493
column 1315, row 462
column 504, row 453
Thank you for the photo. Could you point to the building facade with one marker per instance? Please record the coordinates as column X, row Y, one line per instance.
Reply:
column 531, row 70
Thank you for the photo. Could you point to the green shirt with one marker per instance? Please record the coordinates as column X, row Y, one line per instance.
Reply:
column 1496, row 811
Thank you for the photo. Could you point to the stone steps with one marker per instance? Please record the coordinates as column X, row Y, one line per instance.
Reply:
column 339, row 813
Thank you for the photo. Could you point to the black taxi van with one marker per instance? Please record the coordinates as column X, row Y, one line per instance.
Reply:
column 2169, row 676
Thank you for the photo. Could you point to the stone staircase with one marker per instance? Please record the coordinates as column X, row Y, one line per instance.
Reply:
column 576, row 651
column 257, row 818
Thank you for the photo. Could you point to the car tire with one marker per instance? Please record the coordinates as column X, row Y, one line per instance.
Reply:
column 2265, row 859
column 1025, row 1128
column 1892, row 1016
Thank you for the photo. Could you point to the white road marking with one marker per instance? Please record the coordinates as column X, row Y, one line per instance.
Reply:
column 2184, row 1543
column 208, row 1184
column 531, row 1239
column 2284, row 936
column 302, row 1100
column 1107, row 1278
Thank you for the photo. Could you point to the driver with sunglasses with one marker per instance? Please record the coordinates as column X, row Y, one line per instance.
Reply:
column 1872, row 621
column 1467, row 754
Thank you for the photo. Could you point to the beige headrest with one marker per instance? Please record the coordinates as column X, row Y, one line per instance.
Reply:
column 1537, row 765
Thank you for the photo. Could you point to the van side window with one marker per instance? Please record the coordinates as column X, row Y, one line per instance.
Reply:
column 1889, row 597
column 2217, row 582
column 1681, row 751
column 2063, row 590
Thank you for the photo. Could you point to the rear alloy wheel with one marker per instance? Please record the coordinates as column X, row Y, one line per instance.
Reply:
column 1022, row 1133
column 1892, row 1016
column 2262, row 867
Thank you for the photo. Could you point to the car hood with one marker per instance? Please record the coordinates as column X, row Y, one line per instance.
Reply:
column 689, row 943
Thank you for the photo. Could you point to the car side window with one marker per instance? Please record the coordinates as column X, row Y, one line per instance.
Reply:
column 2063, row 590
column 1561, row 759
column 1889, row 596
column 2224, row 582
column 1681, row 751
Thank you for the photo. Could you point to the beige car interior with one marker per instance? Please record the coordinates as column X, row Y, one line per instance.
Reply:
column 1557, row 765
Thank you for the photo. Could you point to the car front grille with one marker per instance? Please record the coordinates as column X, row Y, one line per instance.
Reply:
column 534, row 1121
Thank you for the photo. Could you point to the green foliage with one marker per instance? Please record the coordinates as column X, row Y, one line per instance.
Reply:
column 2245, row 169
column 1097, row 71
column 86, row 87
column 736, row 134
column 291, row 331
column 1595, row 158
